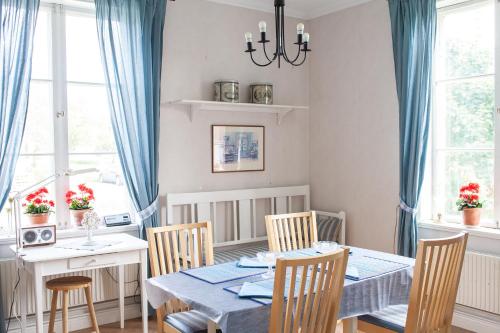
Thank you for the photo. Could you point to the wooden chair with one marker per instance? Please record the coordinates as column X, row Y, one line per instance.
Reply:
column 65, row 285
column 317, row 283
column 287, row 232
column 433, row 291
column 174, row 248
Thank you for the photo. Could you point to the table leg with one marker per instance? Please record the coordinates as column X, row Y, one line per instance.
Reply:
column 144, row 299
column 22, row 296
column 350, row 325
column 121, row 288
column 38, row 281
column 211, row 327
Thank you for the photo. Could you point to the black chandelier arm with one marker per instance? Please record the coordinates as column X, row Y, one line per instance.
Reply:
column 265, row 53
column 260, row 65
column 285, row 55
column 300, row 63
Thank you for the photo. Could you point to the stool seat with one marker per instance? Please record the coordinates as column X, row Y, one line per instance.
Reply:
column 65, row 285
column 69, row 283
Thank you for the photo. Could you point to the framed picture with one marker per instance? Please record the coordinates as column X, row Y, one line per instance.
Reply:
column 237, row 148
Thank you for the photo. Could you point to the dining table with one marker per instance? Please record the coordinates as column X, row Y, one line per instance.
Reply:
column 376, row 287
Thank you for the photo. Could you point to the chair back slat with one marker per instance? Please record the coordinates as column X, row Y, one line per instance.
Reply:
column 179, row 247
column 435, row 284
column 307, row 293
column 287, row 232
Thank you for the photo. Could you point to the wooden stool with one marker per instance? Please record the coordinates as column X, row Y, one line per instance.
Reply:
column 65, row 284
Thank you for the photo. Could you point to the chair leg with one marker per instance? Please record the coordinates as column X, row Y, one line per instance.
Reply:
column 65, row 311
column 160, row 313
column 53, row 309
column 90, row 304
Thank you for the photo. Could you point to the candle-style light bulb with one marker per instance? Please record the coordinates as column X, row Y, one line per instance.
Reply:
column 262, row 26
column 300, row 28
column 248, row 37
column 306, row 37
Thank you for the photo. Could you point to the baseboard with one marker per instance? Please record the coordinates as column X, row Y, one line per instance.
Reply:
column 107, row 312
column 475, row 320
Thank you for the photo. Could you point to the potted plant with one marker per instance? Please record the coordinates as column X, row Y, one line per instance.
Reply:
column 38, row 207
column 80, row 203
column 468, row 202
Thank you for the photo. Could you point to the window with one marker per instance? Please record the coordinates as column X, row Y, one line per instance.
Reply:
column 68, row 124
column 463, row 129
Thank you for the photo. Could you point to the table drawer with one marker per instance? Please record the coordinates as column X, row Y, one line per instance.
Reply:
column 92, row 261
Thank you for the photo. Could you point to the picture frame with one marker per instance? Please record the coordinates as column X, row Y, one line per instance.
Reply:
column 238, row 148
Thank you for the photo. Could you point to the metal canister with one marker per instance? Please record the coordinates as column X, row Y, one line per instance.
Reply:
column 227, row 91
column 261, row 93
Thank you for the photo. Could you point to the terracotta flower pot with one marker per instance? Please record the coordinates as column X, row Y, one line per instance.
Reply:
column 38, row 219
column 472, row 216
column 77, row 215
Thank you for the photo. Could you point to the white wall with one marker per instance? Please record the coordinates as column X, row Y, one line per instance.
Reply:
column 354, row 122
column 204, row 42
column 346, row 146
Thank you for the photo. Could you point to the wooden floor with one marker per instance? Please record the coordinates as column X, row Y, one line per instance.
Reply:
column 135, row 326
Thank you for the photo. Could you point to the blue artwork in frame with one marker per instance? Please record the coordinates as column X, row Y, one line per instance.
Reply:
column 237, row 148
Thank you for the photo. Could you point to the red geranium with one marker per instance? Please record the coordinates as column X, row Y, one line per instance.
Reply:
column 37, row 202
column 469, row 196
column 81, row 200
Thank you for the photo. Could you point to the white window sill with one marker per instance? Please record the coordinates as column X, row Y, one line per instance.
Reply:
column 457, row 227
column 79, row 232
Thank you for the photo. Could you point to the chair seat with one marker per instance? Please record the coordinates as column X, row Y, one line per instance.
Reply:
column 191, row 321
column 69, row 283
column 392, row 318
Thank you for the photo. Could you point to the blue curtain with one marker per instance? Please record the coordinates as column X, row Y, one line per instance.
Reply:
column 413, row 24
column 18, row 19
column 131, row 41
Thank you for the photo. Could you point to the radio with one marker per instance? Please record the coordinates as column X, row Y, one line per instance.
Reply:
column 37, row 236
column 116, row 220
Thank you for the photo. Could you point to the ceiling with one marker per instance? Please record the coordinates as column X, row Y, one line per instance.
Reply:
column 305, row 9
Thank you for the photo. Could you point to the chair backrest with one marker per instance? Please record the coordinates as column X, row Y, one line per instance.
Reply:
column 286, row 232
column 307, row 293
column 435, row 284
column 179, row 247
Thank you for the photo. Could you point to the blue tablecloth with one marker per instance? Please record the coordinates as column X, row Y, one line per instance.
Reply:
column 233, row 314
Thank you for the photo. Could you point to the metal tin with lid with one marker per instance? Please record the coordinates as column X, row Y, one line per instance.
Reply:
column 227, row 91
column 261, row 93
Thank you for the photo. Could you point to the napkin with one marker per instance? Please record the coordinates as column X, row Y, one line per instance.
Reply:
column 251, row 262
column 352, row 272
column 249, row 289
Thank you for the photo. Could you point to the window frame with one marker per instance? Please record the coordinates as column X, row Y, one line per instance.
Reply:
column 59, row 108
column 429, row 208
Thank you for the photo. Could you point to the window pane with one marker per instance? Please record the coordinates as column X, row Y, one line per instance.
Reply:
column 81, row 34
column 465, row 113
column 89, row 120
column 32, row 169
column 39, row 131
column 110, row 192
column 457, row 168
column 41, row 61
column 466, row 40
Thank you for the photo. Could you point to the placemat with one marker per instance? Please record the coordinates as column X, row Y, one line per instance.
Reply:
column 99, row 244
column 223, row 272
column 365, row 267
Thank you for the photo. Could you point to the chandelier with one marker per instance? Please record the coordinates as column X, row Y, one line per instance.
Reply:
column 280, row 51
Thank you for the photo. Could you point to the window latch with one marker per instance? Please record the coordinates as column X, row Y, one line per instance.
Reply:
column 60, row 114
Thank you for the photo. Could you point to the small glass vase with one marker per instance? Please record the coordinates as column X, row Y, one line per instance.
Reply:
column 90, row 240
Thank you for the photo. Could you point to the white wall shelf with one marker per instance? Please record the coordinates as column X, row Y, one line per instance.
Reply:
column 195, row 105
